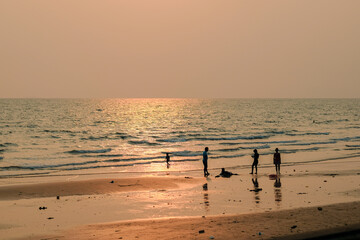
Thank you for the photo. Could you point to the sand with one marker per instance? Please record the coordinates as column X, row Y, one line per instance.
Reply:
column 169, row 206
column 298, row 223
column 93, row 187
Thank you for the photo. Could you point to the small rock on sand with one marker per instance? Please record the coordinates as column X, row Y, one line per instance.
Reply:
column 202, row 231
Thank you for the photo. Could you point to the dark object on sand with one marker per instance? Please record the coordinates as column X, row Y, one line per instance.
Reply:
column 320, row 208
column 293, row 227
column 112, row 182
column 202, row 231
column 256, row 190
column 42, row 208
column 225, row 174
column 272, row 176
column 57, row 197
column 50, row 218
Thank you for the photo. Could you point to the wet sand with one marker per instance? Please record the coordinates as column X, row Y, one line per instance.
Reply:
column 178, row 206
column 93, row 187
column 301, row 223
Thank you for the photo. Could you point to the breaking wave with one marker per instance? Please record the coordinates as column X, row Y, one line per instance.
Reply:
column 90, row 151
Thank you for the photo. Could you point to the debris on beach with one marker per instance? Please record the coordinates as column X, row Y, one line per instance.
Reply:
column 57, row 197
column 112, row 182
column 293, row 227
column 50, row 218
column 188, row 177
column 301, row 193
column 42, row 208
column 319, row 208
column 201, row 231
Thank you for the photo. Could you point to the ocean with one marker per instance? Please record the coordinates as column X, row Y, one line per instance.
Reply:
column 52, row 137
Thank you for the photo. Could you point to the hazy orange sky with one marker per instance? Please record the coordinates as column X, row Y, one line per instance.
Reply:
column 180, row 48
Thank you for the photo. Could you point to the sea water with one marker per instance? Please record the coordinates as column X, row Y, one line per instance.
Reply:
column 44, row 137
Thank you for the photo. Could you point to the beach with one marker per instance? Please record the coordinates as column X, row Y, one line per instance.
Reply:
column 301, row 223
column 96, row 168
column 160, row 120
column 302, row 203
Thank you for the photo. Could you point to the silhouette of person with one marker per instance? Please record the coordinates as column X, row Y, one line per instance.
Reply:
column 167, row 158
column 205, row 162
column 225, row 174
column 277, row 161
column 256, row 161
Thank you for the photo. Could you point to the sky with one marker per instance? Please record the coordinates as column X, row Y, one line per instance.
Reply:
column 179, row 49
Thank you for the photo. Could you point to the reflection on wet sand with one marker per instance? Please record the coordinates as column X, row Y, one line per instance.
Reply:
column 206, row 197
column 256, row 190
column 277, row 191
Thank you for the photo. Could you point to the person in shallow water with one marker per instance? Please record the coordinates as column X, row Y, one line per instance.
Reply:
column 205, row 162
column 277, row 161
column 167, row 158
column 256, row 161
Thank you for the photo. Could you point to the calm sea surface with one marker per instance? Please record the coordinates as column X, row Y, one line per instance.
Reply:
column 41, row 137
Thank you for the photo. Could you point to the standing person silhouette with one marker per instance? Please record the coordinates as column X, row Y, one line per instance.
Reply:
column 167, row 158
column 277, row 161
column 205, row 162
column 256, row 161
